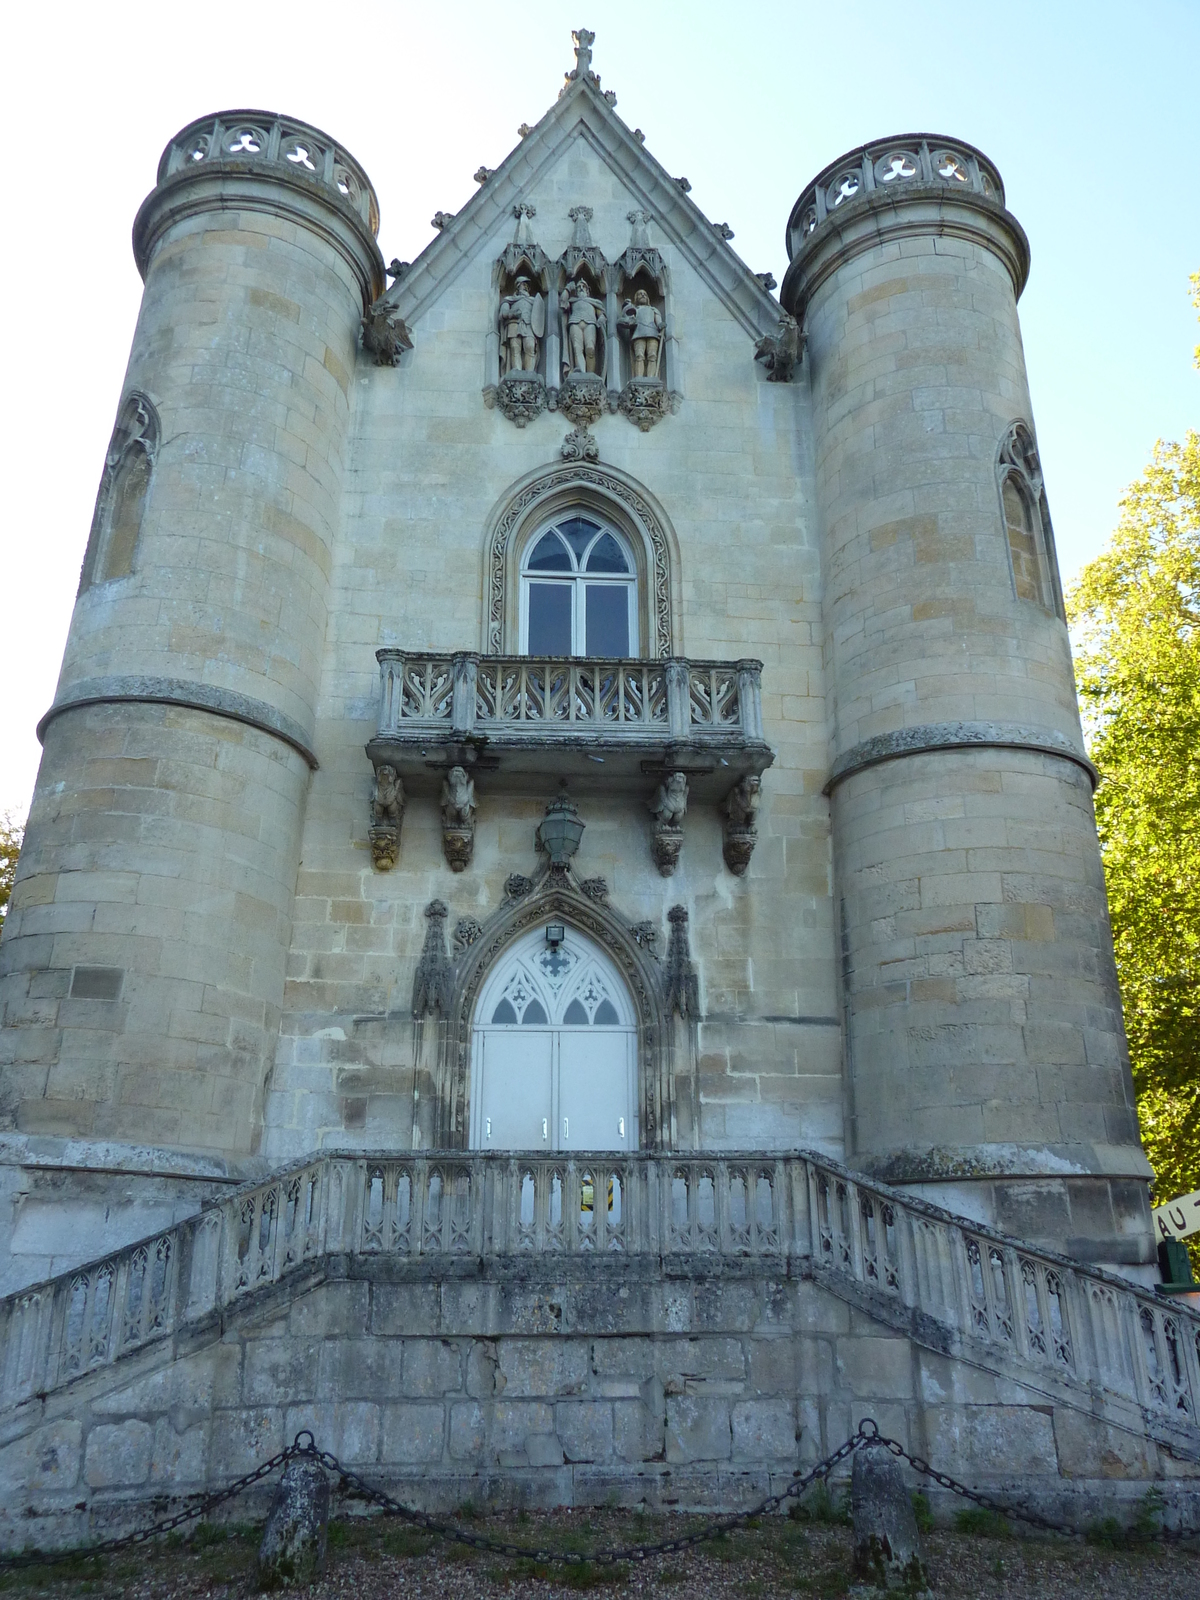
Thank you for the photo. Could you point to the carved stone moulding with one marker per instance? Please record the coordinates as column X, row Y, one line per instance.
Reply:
column 521, row 396
column 583, row 397
column 580, row 445
column 644, row 402
column 385, row 847
column 665, row 844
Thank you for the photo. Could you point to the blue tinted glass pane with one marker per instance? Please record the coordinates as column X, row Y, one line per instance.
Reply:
column 504, row 1012
column 550, row 619
column 575, row 1015
column 606, row 609
column 606, row 1014
column 607, row 556
column 578, row 532
column 549, row 555
column 534, row 1012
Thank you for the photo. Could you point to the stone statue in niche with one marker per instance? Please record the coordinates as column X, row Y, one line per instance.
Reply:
column 668, row 808
column 522, row 327
column 583, row 328
column 520, row 333
column 741, row 813
column 643, row 324
column 387, row 814
column 458, row 819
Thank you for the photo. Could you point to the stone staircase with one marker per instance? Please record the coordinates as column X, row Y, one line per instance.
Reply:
column 1042, row 1334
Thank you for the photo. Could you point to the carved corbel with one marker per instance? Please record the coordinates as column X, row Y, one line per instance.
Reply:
column 668, row 808
column 740, row 813
column 387, row 815
column 458, row 819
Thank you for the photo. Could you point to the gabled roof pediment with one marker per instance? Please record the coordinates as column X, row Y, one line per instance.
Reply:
column 582, row 113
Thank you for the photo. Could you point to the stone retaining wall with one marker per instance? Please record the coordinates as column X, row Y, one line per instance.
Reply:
column 579, row 1383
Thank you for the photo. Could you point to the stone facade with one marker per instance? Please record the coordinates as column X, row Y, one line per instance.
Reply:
column 829, row 815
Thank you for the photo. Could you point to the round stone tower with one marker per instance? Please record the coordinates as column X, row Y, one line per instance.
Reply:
column 144, row 955
column 986, row 1058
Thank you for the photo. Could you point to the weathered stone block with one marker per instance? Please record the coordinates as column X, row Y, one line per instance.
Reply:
column 698, row 1429
column 585, row 1428
column 413, row 1433
column 347, row 1428
column 44, row 1461
column 118, row 1454
column 543, row 1366
column 764, row 1430
column 433, row 1366
column 276, row 1368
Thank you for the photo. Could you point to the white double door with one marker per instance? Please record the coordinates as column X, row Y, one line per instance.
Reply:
column 555, row 1057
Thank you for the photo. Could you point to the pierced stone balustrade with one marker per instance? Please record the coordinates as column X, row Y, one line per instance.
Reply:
column 1029, row 1316
column 910, row 161
column 607, row 725
column 296, row 149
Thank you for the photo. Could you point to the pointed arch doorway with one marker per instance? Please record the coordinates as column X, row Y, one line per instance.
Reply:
column 554, row 1050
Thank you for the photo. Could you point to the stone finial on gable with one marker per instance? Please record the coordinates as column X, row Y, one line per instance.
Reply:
column 584, row 39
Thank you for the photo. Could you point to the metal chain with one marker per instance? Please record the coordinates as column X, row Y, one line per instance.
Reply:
column 477, row 1541
column 867, row 1433
column 36, row 1558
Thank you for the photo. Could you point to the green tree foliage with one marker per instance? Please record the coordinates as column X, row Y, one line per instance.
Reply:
column 1136, row 617
column 11, row 834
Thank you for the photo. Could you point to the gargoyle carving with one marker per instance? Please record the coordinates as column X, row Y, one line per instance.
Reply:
column 385, row 333
column 780, row 352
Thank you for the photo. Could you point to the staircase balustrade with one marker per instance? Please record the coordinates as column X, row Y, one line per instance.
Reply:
column 801, row 1212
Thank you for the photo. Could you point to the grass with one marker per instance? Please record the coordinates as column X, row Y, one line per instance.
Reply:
column 982, row 1523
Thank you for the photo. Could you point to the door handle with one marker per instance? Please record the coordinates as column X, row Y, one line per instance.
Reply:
column 620, row 1127
column 566, row 1129
column 545, row 1129
column 489, row 1127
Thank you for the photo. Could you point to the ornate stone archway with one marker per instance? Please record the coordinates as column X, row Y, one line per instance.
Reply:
column 615, row 495
column 558, row 896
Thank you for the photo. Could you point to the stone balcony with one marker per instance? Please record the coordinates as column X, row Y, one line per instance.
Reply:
column 606, row 726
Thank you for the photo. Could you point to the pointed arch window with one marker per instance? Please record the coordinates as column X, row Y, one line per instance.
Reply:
column 578, row 591
column 1026, row 516
column 124, row 487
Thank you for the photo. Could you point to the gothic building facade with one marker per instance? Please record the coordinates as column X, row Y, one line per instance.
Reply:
column 561, row 938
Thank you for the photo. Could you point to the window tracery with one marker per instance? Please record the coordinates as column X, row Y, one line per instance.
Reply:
column 124, row 487
column 1025, row 513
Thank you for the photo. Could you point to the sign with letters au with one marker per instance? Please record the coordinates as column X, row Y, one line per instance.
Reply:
column 1179, row 1217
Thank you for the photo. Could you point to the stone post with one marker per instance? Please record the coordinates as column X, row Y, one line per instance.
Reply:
column 986, row 1059
column 163, row 839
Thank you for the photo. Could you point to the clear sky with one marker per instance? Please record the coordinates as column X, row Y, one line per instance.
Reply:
column 1090, row 109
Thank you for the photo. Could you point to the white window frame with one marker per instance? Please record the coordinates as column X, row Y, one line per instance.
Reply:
column 579, row 581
